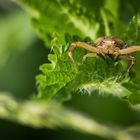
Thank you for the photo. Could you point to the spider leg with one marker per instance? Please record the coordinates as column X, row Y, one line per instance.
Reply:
column 86, row 46
column 129, row 50
column 131, row 60
column 102, row 54
column 116, row 54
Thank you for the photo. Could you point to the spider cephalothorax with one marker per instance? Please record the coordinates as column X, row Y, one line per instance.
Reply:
column 101, row 41
column 112, row 47
column 109, row 46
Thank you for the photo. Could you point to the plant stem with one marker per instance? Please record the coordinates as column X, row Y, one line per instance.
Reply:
column 105, row 21
column 53, row 115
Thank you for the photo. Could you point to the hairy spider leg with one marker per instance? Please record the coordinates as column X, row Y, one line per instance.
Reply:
column 86, row 46
column 130, row 49
column 131, row 60
column 124, row 55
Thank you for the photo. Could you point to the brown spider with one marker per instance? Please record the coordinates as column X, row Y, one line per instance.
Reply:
column 108, row 46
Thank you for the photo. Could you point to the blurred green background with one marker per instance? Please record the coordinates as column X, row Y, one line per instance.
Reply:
column 21, row 54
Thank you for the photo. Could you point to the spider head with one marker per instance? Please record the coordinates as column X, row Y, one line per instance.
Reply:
column 108, row 43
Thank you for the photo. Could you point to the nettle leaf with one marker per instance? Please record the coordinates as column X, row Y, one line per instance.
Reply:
column 58, row 73
column 61, row 77
column 97, row 74
column 62, row 16
column 77, row 18
column 83, row 18
column 132, row 34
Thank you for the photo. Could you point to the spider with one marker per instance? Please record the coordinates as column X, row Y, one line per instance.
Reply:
column 105, row 47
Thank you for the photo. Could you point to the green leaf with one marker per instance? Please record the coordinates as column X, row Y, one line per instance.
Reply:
column 69, row 18
column 102, row 76
column 57, row 74
column 61, row 77
column 132, row 34
column 73, row 17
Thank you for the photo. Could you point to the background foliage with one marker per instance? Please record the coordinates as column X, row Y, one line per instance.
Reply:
column 58, row 23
